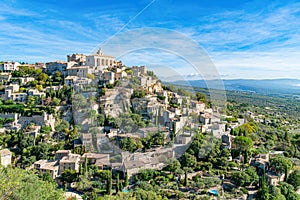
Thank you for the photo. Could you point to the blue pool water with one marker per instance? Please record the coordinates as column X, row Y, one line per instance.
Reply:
column 213, row 192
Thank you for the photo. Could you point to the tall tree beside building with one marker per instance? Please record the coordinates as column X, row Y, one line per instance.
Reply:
column 117, row 183
column 126, row 180
column 85, row 165
column 294, row 179
column 243, row 144
column 281, row 165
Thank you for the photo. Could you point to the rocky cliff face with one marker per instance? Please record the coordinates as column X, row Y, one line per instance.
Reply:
column 115, row 101
column 84, row 110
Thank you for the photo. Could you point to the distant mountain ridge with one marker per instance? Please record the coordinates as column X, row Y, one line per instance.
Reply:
column 260, row 86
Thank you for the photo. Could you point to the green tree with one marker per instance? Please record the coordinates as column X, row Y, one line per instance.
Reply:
column 243, row 144
column 100, row 120
column 69, row 176
column 55, row 101
column 41, row 151
column 43, row 77
column 118, row 183
column 46, row 129
column 146, row 195
column 288, row 191
column 138, row 93
column 62, row 126
column 16, row 183
column 245, row 178
column 31, row 101
column 263, row 192
column 146, row 175
column 173, row 165
column 275, row 193
column 281, row 165
column 294, row 179
column 57, row 75
column 39, row 87
column 47, row 177
column 185, row 177
column 253, row 177
column 107, row 176
column 201, row 97
column 188, row 160
column 126, row 180
column 85, row 166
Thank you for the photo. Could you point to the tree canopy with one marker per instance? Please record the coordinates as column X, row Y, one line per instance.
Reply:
column 20, row 184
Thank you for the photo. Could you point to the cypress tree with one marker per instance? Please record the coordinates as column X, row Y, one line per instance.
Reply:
column 117, row 183
column 85, row 165
column 126, row 180
column 109, row 182
column 185, row 178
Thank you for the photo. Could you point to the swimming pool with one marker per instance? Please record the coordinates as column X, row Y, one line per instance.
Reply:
column 213, row 192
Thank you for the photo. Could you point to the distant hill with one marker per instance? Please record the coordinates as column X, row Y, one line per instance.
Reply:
column 265, row 86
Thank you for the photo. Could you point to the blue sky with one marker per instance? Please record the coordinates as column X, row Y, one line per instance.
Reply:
column 244, row 39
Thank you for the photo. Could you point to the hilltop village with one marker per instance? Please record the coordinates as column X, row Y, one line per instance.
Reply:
column 96, row 127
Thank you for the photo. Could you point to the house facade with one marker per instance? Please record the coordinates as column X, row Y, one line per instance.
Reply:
column 9, row 66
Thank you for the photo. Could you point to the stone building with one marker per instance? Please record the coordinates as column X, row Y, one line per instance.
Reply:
column 274, row 178
column 199, row 106
column 205, row 118
column 5, row 157
column 107, row 77
column 138, row 71
column 151, row 84
column 61, row 153
column 11, row 92
column 36, row 93
column 40, row 120
column 119, row 73
column 78, row 71
column 40, row 65
column 100, row 160
column 87, row 141
column 9, row 66
column 4, row 77
column 133, row 163
column 71, row 161
column 60, row 66
column 25, row 80
column 100, row 60
column 43, row 166
column 78, row 58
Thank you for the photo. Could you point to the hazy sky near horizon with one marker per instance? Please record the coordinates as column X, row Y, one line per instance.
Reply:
column 244, row 39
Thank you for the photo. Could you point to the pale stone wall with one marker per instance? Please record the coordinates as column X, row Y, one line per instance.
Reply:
column 5, row 157
column 40, row 120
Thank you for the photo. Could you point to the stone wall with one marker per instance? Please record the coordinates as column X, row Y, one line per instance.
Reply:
column 40, row 120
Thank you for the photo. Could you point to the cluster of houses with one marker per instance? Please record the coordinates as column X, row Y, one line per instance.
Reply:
column 12, row 92
column 35, row 122
column 64, row 160
column 170, row 112
column 262, row 162
column 130, row 164
column 167, row 110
